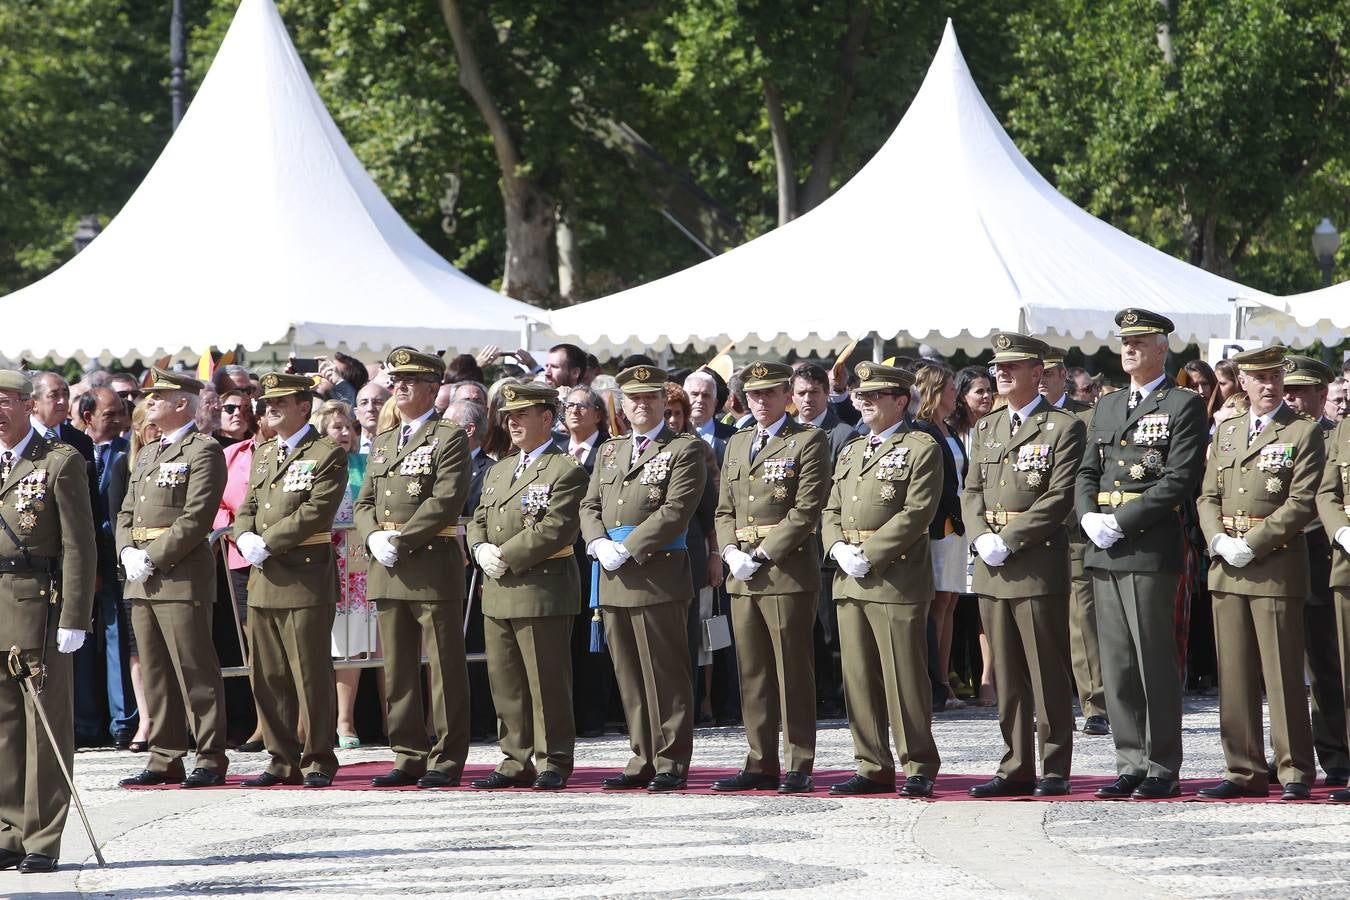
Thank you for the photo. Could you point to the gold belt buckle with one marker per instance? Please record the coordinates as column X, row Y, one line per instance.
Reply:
column 1242, row 523
column 1117, row 498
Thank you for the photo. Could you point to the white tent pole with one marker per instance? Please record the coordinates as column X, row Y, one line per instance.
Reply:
column 1235, row 320
column 526, row 331
column 878, row 347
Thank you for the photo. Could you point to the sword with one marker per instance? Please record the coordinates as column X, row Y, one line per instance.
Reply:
column 20, row 672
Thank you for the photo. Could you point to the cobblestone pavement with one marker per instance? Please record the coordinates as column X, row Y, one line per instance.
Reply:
column 350, row 844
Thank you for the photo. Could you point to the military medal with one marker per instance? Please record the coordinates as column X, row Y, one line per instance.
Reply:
column 779, row 492
column 1137, row 471
column 1034, row 479
column 1049, row 426
column 414, row 489
column 27, row 521
column 1274, row 485
column 1152, row 460
column 379, row 456
column 887, row 492
column 654, row 495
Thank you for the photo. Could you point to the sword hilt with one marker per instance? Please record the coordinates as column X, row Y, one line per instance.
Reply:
column 18, row 667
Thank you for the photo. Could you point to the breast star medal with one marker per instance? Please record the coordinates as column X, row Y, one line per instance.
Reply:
column 779, row 492
column 1274, row 485
column 1137, row 471
column 1034, row 479
column 27, row 522
column 654, row 495
column 887, row 492
column 414, row 489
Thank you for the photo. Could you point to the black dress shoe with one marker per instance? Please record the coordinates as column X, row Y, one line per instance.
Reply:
column 1121, row 789
column 1156, row 789
column 204, row 778
column 796, row 783
column 1229, row 790
column 625, row 782
column 37, row 862
column 251, row 746
column 665, row 782
column 10, row 858
column 549, row 780
column 1052, row 786
column 318, row 780
column 267, row 779
column 497, row 781
column 138, row 746
column 122, row 740
column 1002, row 787
column 1096, row 725
column 1337, row 778
column 747, row 781
column 860, row 784
column 148, row 777
column 438, row 779
column 1295, row 790
column 395, row 778
column 1339, row 796
column 917, row 786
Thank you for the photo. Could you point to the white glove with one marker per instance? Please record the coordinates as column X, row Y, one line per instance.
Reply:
column 992, row 549
column 489, row 558
column 136, row 563
column 610, row 554
column 742, row 565
column 1234, row 550
column 1343, row 538
column 382, row 547
column 68, row 640
column 1101, row 529
column 252, row 548
column 850, row 559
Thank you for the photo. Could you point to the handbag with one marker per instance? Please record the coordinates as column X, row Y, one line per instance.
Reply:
column 716, row 628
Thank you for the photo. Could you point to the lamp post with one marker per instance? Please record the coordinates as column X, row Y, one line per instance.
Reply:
column 1326, row 240
column 85, row 232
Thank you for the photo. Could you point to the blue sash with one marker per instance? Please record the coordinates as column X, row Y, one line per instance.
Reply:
column 615, row 534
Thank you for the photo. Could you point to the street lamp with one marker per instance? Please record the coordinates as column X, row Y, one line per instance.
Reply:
column 1326, row 240
column 85, row 232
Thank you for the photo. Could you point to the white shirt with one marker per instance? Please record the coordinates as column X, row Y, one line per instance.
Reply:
column 707, row 431
column 587, row 445
column 365, row 443
column 1063, row 398
column 177, row 434
column 1146, row 389
column 1025, row 411
column 294, row 440
column 527, row 459
column 650, row 435
column 889, row 431
column 818, row 421
column 43, row 429
column 418, row 422
column 1265, row 420
column 18, row 448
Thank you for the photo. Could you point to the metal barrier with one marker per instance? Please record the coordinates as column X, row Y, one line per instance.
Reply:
column 355, row 554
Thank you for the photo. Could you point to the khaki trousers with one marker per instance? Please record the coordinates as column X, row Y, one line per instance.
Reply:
column 529, row 664
column 775, row 657
column 650, row 649
column 1256, row 635
column 884, row 648
column 1029, row 637
column 404, row 626
column 1326, row 691
column 183, row 685
column 34, row 798
column 1084, row 648
column 293, row 682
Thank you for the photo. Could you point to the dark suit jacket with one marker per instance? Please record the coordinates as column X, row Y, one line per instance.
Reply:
column 721, row 432
column 950, row 502
column 105, row 512
column 480, row 464
column 846, row 411
column 838, row 431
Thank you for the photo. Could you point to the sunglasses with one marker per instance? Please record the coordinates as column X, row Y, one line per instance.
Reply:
column 577, row 406
column 231, row 408
column 128, row 395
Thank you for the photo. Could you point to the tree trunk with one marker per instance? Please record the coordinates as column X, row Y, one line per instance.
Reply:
column 784, row 163
column 1165, row 31
column 530, row 217
column 817, row 186
column 569, row 260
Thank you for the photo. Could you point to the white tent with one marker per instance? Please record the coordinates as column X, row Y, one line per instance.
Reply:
column 1299, row 319
column 256, row 226
column 945, row 236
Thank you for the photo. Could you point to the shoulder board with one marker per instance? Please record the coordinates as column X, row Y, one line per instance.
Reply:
column 327, row 442
column 747, row 428
column 59, row 447
column 447, row 425
column 685, row 436
column 1062, row 411
column 921, row 437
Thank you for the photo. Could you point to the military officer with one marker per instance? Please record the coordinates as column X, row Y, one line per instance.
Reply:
column 1258, row 494
column 775, row 479
column 1333, row 508
column 1024, row 460
column 284, row 529
column 522, row 535
column 417, row 481
column 162, row 528
column 47, row 565
column 644, row 489
column 1084, row 648
column 1305, row 391
column 1143, row 458
column 883, row 494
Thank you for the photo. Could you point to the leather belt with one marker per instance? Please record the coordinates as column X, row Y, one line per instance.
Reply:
column 754, row 532
column 146, row 534
column 853, row 536
column 448, row 531
column 1240, row 524
column 17, row 565
column 1000, row 517
column 563, row 553
column 322, row 537
column 1116, row 498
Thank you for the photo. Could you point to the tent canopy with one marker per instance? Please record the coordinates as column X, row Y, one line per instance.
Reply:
column 1300, row 319
column 257, row 225
column 946, row 235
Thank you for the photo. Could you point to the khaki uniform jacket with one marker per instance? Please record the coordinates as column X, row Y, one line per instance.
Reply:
column 1331, row 500
column 175, row 489
column 1030, row 474
column 531, row 521
column 1276, row 478
column 288, row 505
column 658, row 495
column 48, row 490
column 1157, row 450
column 897, row 500
column 421, row 493
column 785, row 488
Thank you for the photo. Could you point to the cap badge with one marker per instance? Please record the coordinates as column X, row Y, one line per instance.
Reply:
column 759, row 370
column 402, row 358
column 269, row 382
column 642, row 374
column 1002, row 342
column 510, row 394
column 1289, row 365
column 864, row 371
column 1130, row 318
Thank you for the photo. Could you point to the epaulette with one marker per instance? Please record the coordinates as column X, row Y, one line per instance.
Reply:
column 58, row 446
column 922, row 437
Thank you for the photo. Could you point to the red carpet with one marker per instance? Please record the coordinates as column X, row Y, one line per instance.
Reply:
column 587, row 781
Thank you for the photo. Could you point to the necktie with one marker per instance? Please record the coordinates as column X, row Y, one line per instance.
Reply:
column 760, row 440
column 50, row 434
column 520, row 466
column 282, row 449
column 99, row 463
column 1257, row 427
column 1136, row 397
column 873, row 443
column 403, row 437
column 579, row 453
column 641, row 447
column 5, row 462
column 1016, row 422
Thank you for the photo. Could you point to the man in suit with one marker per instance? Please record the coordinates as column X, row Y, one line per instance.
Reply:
column 1333, row 508
column 417, row 481
column 885, row 490
column 522, row 537
column 1305, row 392
column 170, row 503
column 1144, row 455
column 645, row 488
column 47, row 569
column 775, row 479
column 105, row 418
column 473, row 419
column 1024, row 459
column 1258, row 495
column 701, row 388
column 284, row 530
column 369, row 401
column 1084, row 648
